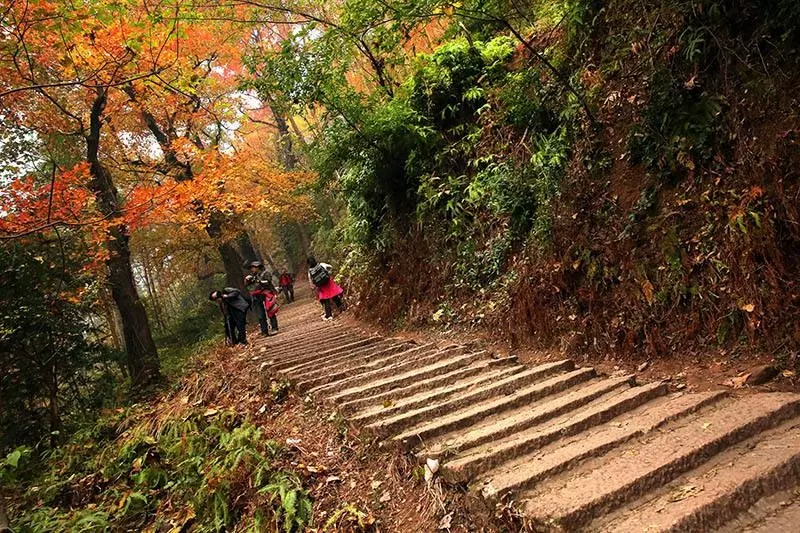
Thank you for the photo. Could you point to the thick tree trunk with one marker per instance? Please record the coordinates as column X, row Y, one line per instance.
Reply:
column 285, row 143
column 246, row 247
column 305, row 238
column 232, row 261
column 141, row 354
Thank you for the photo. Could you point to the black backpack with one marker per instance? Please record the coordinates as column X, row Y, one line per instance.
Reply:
column 319, row 275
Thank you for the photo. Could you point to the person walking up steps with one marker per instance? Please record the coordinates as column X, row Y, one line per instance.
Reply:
column 287, row 286
column 234, row 307
column 320, row 276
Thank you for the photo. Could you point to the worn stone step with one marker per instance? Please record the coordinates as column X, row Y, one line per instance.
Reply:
column 319, row 352
column 308, row 347
column 344, row 361
column 493, row 408
column 571, row 499
column 408, row 362
column 406, row 403
column 510, row 421
column 524, row 472
column 283, row 343
column 776, row 513
column 349, row 357
column 396, row 424
column 712, row 494
column 468, row 463
column 312, row 349
column 373, row 368
column 376, row 393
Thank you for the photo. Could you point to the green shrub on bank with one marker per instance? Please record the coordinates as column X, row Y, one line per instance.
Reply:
column 210, row 468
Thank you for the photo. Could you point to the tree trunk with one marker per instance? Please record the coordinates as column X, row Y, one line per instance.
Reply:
column 232, row 261
column 246, row 248
column 285, row 146
column 55, row 415
column 305, row 238
column 111, row 318
column 5, row 525
column 141, row 354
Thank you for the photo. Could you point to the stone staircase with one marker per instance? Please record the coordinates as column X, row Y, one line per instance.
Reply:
column 577, row 451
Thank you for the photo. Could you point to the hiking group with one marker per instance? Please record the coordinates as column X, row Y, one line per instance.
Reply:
column 261, row 296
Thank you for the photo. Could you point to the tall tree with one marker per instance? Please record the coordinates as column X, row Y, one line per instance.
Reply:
column 61, row 63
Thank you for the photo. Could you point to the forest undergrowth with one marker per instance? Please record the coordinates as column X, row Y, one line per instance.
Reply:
column 637, row 200
column 225, row 449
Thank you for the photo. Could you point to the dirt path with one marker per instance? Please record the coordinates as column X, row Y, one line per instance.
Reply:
column 562, row 446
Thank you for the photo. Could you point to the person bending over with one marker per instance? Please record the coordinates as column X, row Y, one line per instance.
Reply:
column 234, row 307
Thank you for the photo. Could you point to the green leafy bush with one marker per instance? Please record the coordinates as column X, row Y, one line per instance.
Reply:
column 211, row 462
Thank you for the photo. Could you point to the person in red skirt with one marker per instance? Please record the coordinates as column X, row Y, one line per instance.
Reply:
column 320, row 276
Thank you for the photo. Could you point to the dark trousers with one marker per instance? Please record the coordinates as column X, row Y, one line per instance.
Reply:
column 288, row 292
column 261, row 313
column 327, row 305
column 273, row 322
column 237, row 325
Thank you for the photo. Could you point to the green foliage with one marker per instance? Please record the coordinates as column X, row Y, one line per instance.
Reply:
column 53, row 370
column 680, row 128
column 206, row 461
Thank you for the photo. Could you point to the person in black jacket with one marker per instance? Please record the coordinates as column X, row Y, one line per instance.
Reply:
column 234, row 308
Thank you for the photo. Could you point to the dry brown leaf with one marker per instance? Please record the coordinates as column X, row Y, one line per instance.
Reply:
column 738, row 382
column 684, row 492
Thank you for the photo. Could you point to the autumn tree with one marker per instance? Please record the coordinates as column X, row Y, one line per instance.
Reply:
column 62, row 74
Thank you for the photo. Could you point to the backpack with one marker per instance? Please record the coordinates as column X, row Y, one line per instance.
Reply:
column 270, row 304
column 319, row 275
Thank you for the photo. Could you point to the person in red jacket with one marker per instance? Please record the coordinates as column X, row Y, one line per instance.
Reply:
column 271, row 308
column 265, row 303
column 321, row 277
column 287, row 286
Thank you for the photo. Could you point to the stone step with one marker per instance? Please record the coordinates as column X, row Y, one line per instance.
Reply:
column 317, row 352
column 525, row 471
column 511, row 421
column 421, row 358
column 776, row 513
column 377, row 392
column 470, row 415
column 376, row 411
column 374, row 370
column 468, row 463
column 281, row 344
column 396, row 424
column 308, row 348
column 364, row 352
column 572, row 499
column 717, row 491
column 370, row 354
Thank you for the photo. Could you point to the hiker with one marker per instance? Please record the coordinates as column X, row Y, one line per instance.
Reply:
column 264, row 303
column 320, row 276
column 271, row 308
column 260, row 272
column 234, row 307
column 256, row 290
column 286, row 283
